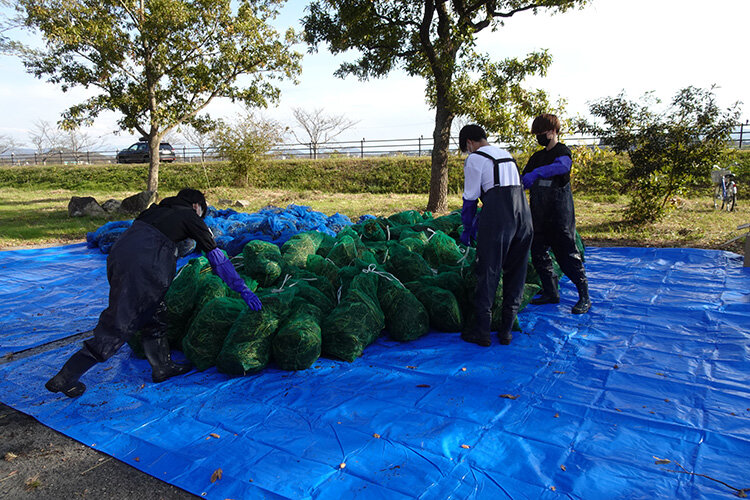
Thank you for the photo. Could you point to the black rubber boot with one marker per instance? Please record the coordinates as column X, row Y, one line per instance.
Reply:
column 550, row 292
column 66, row 380
column 162, row 366
column 584, row 303
column 475, row 338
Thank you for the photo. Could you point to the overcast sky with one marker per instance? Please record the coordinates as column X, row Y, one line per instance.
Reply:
column 612, row 45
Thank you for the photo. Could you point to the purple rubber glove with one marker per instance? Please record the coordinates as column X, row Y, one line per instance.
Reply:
column 529, row 179
column 468, row 215
column 226, row 271
column 252, row 300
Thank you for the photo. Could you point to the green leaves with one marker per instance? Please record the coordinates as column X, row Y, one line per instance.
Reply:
column 159, row 62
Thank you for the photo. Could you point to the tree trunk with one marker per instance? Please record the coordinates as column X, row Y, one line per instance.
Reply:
column 153, row 166
column 438, row 200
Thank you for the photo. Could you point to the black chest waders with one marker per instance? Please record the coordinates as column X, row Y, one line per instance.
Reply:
column 503, row 243
column 140, row 268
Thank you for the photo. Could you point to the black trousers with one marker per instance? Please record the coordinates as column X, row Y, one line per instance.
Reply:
column 503, row 243
column 555, row 228
column 140, row 268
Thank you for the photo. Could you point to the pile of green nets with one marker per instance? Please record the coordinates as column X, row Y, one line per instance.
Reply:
column 405, row 274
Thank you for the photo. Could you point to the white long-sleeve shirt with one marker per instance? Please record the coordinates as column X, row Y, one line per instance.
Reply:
column 479, row 172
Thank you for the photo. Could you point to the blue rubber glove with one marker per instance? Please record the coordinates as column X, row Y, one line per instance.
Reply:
column 529, row 179
column 468, row 214
column 226, row 271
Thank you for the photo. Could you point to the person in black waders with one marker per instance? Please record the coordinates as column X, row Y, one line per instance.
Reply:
column 140, row 267
column 504, row 231
column 547, row 177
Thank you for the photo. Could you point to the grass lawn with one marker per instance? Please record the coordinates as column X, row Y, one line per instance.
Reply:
column 40, row 217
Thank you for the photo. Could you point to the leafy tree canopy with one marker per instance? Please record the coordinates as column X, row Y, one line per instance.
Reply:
column 669, row 148
column 159, row 63
column 435, row 39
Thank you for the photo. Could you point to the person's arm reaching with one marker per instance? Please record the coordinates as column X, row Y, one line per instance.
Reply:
column 561, row 165
column 226, row 271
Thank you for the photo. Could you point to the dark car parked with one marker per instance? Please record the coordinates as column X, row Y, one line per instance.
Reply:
column 139, row 153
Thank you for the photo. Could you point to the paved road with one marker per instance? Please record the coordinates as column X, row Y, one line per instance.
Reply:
column 39, row 463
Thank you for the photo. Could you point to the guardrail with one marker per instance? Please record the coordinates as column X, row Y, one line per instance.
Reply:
column 421, row 146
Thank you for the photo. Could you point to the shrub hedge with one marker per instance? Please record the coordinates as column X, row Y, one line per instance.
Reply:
column 594, row 171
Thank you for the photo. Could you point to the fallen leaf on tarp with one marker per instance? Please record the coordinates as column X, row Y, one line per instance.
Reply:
column 137, row 459
column 662, row 461
column 557, row 415
column 411, row 367
column 616, row 367
column 552, row 488
column 558, row 372
column 667, row 401
column 422, row 385
column 563, row 468
column 617, row 409
column 214, row 435
column 342, row 465
column 509, row 396
column 660, row 374
column 466, row 446
column 463, row 369
column 216, row 475
column 376, row 435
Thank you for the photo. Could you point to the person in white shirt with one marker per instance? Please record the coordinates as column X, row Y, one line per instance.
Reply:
column 503, row 231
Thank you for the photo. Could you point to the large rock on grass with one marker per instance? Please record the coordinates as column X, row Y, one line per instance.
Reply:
column 138, row 202
column 84, row 206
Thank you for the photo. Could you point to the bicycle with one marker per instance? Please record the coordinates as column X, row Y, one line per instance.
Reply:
column 725, row 188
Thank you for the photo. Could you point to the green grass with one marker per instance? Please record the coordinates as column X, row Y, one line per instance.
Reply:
column 39, row 217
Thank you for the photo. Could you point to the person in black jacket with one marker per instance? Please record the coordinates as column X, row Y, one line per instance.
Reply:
column 547, row 177
column 140, row 267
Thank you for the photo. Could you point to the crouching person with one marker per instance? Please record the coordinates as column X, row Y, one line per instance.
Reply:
column 140, row 267
column 504, row 231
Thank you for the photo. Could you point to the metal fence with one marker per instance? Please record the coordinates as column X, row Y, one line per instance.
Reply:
column 421, row 146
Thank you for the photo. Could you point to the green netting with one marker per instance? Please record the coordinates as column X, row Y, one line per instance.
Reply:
column 373, row 230
column 326, row 244
column 406, row 218
column 262, row 261
column 441, row 249
column 344, row 251
column 406, row 265
column 296, row 250
column 442, row 306
column 324, row 267
column 247, row 346
column 355, row 322
column 180, row 297
column 405, row 316
column 448, row 224
column 208, row 330
column 415, row 245
column 407, row 232
column 294, row 275
column 297, row 344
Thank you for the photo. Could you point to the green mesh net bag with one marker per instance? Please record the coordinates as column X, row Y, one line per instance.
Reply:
column 441, row 249
column 344, row 251
column 355, row 322
column 415, row 245
column 448, row 224
column 406, row 218
column 247, row 346
column 208, row 330
column 262, row 261
column 321, row 266
column 374, row 230
column 529, row 290
column 406, row 265
column 408, row 232
column 442, row 306
column 296, row 250
column 297, row 344
column 405, row 316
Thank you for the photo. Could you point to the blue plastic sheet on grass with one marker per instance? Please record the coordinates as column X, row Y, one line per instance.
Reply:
column 576, row 407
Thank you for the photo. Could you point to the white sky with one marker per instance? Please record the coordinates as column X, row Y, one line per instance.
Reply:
column 612, row 45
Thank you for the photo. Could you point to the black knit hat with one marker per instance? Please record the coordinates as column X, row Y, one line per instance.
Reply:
column 194, row 196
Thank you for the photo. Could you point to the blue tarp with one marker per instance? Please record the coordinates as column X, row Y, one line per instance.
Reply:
column 576, row 407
